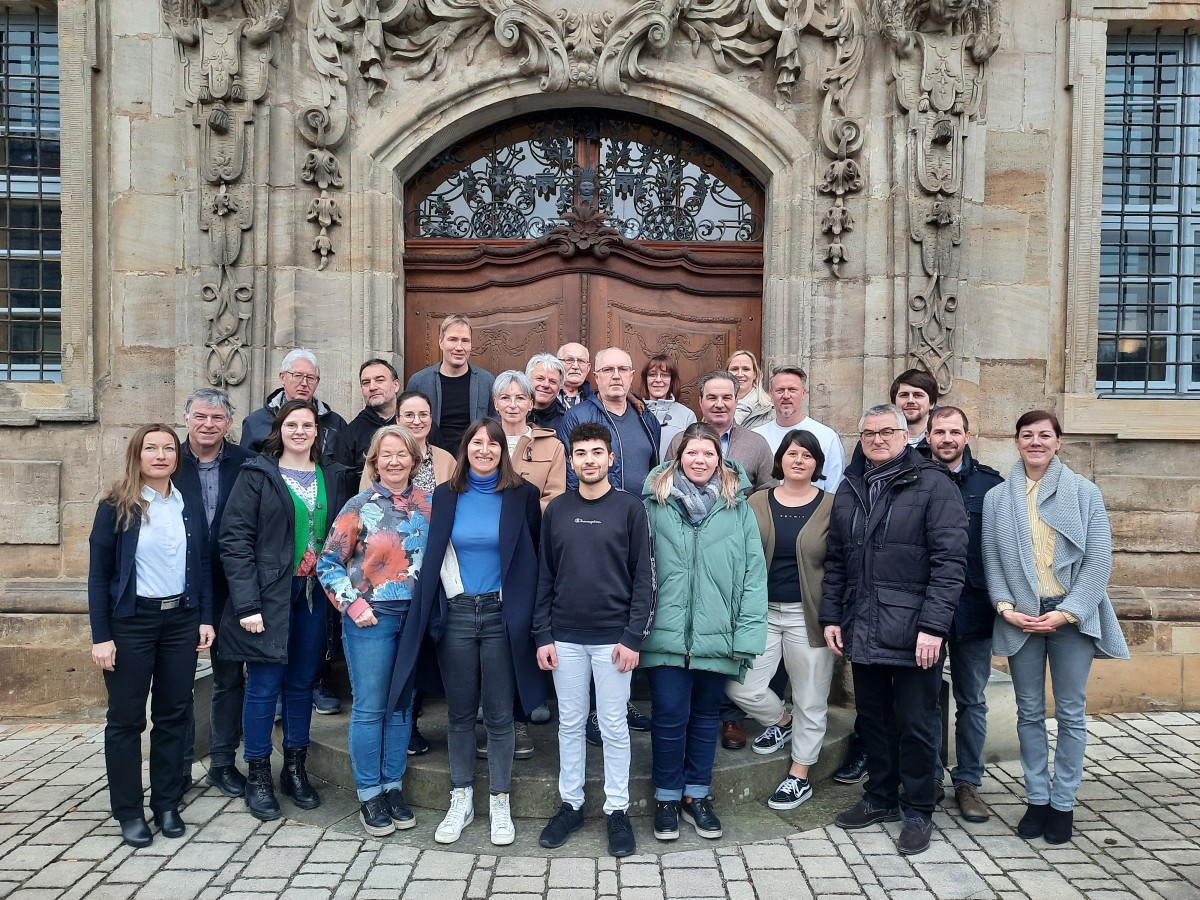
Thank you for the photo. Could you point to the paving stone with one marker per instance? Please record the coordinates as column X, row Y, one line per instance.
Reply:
column 693, row 882
column 606, row 882
column 570, row 894
column 574, row 872
column 518, row 884
column 136, row 869
column 439, row 865
column 175, row 885
column 259, row 885
column 688, row 859
column 344, row 851
column 59, row 875
column 301, row 893
column 1043, row 884
column 732, row 868
column 435, row 890
column 387, row 877
column 203, row 856
column 640, row 875
column 824, row 887
column 478, row 887
column 522, row 866
column 740, row 890
column 295, row 836
column 769, row 856
column 951, row 881
column 773, row 883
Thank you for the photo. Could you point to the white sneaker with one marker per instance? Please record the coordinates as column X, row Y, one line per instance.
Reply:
column 503, row 831
column 458, row 817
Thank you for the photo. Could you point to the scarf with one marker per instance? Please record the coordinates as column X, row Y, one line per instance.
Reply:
column 698, row 501
column 878, row 476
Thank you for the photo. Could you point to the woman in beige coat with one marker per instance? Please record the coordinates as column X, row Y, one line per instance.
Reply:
column 793, row 520
column 537, row 453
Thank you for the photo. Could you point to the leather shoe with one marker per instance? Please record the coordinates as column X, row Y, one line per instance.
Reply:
column 914, row 837
column 228, row 780
column 169, row 823
column 862, row 814
column 1033, row 823
column 136, row 833
column 733, row 735
column 1059, row 825
column 970, row 804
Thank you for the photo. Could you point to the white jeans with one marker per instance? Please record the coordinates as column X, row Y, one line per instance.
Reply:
column 578, row 664
column 810, row 670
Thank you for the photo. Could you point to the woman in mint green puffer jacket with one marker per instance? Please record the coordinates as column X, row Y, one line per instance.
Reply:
column 710, row 620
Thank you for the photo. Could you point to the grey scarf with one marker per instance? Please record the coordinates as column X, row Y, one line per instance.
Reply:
column 697, row 500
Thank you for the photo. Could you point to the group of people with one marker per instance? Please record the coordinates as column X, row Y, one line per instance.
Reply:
column 473, row 533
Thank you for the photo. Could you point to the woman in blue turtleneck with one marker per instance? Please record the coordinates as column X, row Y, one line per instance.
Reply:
column 476, row 593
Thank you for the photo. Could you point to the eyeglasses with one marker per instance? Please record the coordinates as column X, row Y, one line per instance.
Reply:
column 572, row 361
column 416, row 416
column 886, row 433
column 609, row 371
column 304, row 379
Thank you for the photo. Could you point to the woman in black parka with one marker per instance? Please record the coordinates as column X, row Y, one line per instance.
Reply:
column 274, row 525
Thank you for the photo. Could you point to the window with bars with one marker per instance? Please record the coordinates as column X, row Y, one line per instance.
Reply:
column 30, row 197
column 1149, row 317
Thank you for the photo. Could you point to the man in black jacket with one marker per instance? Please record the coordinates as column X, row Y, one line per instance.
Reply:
column 208, row 468
column 970, row 639
column 299, row 375
column 894, row 570
column 380, row 387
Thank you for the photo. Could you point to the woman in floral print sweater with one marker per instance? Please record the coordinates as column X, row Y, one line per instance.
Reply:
column 369, row 568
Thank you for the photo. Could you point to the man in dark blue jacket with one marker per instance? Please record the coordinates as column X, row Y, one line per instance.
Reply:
column 895, row 567
column 207, row 469
column 634, row 429
column 970, row 638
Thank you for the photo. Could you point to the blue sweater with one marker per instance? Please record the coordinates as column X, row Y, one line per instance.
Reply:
column 476, row 534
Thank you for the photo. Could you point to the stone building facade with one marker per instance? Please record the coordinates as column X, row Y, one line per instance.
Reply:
column 938, row 188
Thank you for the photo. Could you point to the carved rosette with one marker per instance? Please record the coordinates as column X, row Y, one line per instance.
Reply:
column 226, row 62
column 940, row 50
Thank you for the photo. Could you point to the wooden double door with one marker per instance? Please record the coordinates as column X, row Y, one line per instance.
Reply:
column 584, row 282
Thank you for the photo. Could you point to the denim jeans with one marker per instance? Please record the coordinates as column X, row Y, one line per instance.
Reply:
column 1070, row 656
column 970, row 668
column 156, row 658
column 683, row 731
column 897, row 715
column 578, row 664
column 476, row 662
column 265, row 681
column 378, row 742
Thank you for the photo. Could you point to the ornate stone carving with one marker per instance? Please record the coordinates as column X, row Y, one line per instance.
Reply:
column 226, row 61
column 940, row 50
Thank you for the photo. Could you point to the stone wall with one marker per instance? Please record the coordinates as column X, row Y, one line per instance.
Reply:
column 139, row 261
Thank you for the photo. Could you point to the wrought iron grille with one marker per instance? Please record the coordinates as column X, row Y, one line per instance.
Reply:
column 649, row 181
column 1149, row 317
column 30, row 195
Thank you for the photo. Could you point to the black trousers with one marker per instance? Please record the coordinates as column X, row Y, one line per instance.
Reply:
column 898, row 718
column 156, row 659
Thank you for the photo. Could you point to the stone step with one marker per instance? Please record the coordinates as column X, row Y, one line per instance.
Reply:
column 741, row 776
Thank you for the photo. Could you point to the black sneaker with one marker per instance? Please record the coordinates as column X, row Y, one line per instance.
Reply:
column 401, row 814
column 621, row 841
column 792, row 791
column 699, row 811
column 325, row 702
column 666, row 820
column 592, row 731
column 914, row 838
column 375, row 817
column 417, row 743
column 774, row 737
column 561, row 826
column 853, row 768
column 636, row 719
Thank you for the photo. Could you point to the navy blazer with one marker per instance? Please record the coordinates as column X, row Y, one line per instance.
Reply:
column 187, row 478
column 112, row 574
column 520, row 533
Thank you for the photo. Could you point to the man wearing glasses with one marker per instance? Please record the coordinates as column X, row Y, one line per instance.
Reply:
column 299, row 375
column 634, row 429
column 895, row 567
column 575, row 389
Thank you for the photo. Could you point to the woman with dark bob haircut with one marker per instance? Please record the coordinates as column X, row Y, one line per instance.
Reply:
column 660, row 387
column 150, row 604
column 475, row 598
column 274, row 526
column 793, row 521
column 1047, row 553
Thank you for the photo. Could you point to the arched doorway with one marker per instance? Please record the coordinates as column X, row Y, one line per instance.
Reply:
column 591, row 227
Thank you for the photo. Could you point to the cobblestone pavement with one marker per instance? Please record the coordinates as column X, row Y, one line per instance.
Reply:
column 1137, row 837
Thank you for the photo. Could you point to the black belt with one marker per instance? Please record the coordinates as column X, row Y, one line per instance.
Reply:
column 161, row 602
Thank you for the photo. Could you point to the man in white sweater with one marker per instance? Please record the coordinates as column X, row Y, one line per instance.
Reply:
column 789, row 393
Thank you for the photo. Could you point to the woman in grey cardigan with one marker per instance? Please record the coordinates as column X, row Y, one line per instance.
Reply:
column 1047, row 551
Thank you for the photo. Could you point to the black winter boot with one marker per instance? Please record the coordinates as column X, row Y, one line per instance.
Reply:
column 293, row 780
column 260, row 792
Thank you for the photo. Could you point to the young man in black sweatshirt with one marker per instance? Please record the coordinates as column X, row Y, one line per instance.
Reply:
column 595, row 604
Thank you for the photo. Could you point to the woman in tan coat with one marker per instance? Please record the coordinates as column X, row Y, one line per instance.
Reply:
column 793, row 520
column 537, row 453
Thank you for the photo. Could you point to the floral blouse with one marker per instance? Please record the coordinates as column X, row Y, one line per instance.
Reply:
column 373, row 552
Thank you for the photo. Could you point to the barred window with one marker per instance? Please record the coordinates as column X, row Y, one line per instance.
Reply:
column 1149, row 320
column 30, row 195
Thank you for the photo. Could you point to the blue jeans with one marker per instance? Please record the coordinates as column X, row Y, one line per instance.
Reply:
column 476, row 662
column 378, row 742
column 1070, row 655
column 970, row 668
column 265, row 681
column 683, row 731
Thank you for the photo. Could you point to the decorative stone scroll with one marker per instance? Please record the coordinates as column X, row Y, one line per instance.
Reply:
column 941, row 47
column 602, row 50
column 226, row 61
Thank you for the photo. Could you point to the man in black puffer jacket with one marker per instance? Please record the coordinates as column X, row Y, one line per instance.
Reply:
column 894, row 570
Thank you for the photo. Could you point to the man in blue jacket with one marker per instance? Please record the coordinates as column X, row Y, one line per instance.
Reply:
column 208, row 468
column 634, row 429
column 970, row 639
column 458, row 392
column 895, row 566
